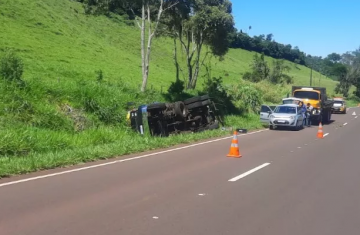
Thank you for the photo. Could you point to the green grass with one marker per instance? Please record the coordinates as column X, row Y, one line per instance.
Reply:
column 62, row 49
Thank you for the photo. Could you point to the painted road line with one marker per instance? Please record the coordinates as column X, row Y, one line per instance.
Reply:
column 124, row 160
column 356, row 116
column 326, row 134
column 345, row 123
column 248, row 172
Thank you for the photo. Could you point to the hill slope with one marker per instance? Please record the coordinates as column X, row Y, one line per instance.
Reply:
column 62, row 49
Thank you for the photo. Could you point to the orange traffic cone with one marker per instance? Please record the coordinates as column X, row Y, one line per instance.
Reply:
column 320, row 133
column 234, row 148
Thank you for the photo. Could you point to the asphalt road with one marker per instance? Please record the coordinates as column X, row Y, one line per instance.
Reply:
column 287, row 182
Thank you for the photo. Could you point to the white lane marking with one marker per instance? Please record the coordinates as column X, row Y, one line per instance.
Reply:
column 345, row 123
column 124, row 160
column 201, row 194
column 248, row 172
column 326, row 134
column 155, row 217
column 356, row 116
column 299, row 147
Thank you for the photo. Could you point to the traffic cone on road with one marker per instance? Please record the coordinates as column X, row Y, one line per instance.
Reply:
column 320, row 133
column 234, row 148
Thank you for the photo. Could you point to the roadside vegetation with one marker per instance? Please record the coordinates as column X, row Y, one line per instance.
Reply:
column 69, row 72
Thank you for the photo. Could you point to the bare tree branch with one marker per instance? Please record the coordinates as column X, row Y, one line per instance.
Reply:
column 171, row 6
column 136, row 19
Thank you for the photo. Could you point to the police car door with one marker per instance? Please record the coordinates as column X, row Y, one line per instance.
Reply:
column 265, row 112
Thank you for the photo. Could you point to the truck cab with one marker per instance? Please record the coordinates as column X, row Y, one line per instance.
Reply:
column 309, row 95
column 317, row 98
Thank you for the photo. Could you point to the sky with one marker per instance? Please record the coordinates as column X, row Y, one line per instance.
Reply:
column 317, row 27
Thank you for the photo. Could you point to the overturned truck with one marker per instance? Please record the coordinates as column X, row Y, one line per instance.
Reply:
column 162, row 119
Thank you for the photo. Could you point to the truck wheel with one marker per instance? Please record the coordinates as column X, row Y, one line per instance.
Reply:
column 196, row 99
column 162, row 129
column 156, row 106
column 180, row 109
column 198, row 104
column 214, row 126
column 325, row 116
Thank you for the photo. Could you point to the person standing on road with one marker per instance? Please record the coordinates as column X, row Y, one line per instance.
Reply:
column 303, row 111
column 309, row 109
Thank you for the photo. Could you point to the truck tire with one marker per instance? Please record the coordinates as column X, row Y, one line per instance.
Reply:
column 156, row 106
column 198, row 104
column 196, row 99
column 214, row 126
column 326, row 116
column 160, row 129
column 180, row 110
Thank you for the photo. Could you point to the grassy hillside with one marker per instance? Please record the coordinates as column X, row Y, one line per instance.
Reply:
column 63, row 115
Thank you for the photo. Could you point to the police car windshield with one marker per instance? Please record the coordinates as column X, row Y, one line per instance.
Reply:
column 285, row 109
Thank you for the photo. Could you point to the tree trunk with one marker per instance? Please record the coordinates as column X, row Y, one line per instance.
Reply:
column 190, row 71
column 197, row 63
column 146, row 55
column 176, row 60
column 143, row 64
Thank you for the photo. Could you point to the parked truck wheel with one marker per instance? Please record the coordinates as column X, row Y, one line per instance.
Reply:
column 326, row 116
column 160, row 129
column 156, row 106
column 214, row 126
column 180, row 110
column 196, row 99
column 198, row 104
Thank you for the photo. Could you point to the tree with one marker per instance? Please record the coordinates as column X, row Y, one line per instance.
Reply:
column 348, row 73
column 261, row 71
column 197, row 24
column 341, row 72
column 147, row 14
column 269, row 37
column 334, row 57
column 278, row 74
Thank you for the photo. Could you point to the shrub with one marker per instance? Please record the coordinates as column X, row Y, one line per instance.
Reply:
column 247, row 97
column 11, row 67
column 214, row 87
column 176, row 92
